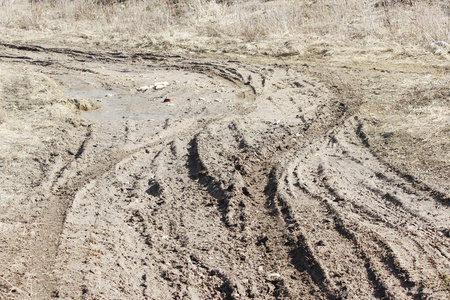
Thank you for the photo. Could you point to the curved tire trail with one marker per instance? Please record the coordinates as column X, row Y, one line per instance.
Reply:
column 269, row 194
column 382, row 216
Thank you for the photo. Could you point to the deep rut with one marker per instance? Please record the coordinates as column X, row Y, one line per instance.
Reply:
column 255, row 182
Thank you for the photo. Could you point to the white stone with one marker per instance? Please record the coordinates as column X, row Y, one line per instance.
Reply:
column 273, row 277
column 160, row 85
column 143, row 88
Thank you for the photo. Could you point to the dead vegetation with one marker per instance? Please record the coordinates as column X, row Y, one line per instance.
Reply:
column 410, row 129
column 347, row 21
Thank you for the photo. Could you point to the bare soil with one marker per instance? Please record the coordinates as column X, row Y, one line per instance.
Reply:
column 263, row 178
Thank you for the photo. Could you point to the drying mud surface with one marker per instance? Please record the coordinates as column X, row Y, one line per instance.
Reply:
column 234, row 180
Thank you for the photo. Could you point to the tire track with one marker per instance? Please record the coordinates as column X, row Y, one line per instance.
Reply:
column 411, row 268
column 279, row 198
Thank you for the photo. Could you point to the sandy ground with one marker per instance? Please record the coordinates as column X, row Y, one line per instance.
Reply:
column 260, row 178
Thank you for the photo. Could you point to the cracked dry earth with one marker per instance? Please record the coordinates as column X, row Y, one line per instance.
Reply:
column 254, row 182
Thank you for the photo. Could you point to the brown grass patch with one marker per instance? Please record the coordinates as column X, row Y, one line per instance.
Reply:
column 411, row 130
column 340, row 21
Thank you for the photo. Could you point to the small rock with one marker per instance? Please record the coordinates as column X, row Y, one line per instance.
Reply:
column 143, row 88
column 273, row 277
column 388, row 134
column 276, row 122
column 245, row 280
column 201, row 99
column 168, row 99
column 160, row 85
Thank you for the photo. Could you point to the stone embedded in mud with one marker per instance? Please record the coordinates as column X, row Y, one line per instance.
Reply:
column 160, row 85
column 388, row 134
column 273, row 277
column 143, row 88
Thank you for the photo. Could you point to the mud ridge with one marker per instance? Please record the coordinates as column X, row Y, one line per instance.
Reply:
column 199, row 173
column 303, row 257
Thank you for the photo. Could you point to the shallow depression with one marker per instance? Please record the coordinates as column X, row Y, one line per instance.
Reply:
column 134, row 94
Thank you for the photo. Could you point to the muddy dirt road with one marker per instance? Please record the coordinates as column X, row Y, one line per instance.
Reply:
column 255, row 181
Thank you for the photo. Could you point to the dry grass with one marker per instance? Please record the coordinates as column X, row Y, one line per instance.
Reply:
column 410, row 129
column 345, row 21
